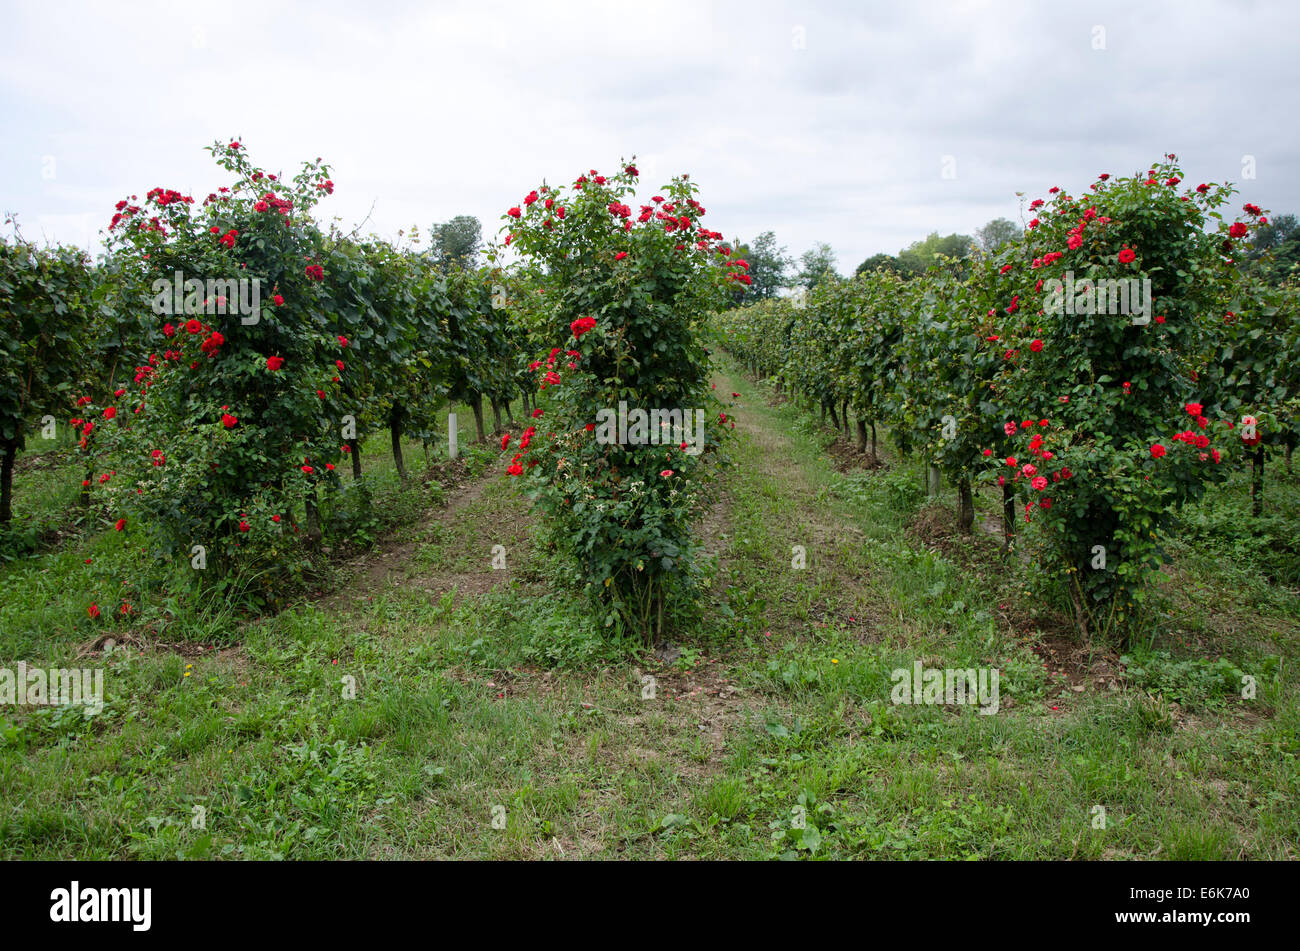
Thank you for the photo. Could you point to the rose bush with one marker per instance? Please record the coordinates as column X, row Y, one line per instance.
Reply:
column 626, row 293
column 239, row 395
column 1109, row 393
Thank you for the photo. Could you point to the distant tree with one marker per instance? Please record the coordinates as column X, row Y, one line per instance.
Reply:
column 1279, row 230
column 816, row 265
column 996, row 233
column 919, row 255
column 456, row 242
column 769, row 267
column 1274, row 254
column 878, row 261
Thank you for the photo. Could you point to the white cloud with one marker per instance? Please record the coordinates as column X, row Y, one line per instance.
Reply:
column 461, row 109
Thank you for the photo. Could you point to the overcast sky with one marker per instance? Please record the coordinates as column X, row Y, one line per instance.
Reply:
column 820, row 121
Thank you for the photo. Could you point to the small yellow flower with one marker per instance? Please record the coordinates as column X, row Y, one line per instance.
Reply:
column 835, row 660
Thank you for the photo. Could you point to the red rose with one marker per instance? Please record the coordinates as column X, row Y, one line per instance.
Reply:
column 274, row 363
column 1157, row 451
column 121, row 524
column 1126, row 256
column 192, row 326
column 228, row 421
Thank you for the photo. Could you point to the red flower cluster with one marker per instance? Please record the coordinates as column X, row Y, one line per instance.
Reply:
column 162, row 197
column 281, row 205
column 212, row 344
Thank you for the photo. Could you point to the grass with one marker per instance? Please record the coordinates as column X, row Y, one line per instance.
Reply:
column 491, row 720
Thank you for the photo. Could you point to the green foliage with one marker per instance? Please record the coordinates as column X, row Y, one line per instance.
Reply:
column 45, row 296
column 1194, row 682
